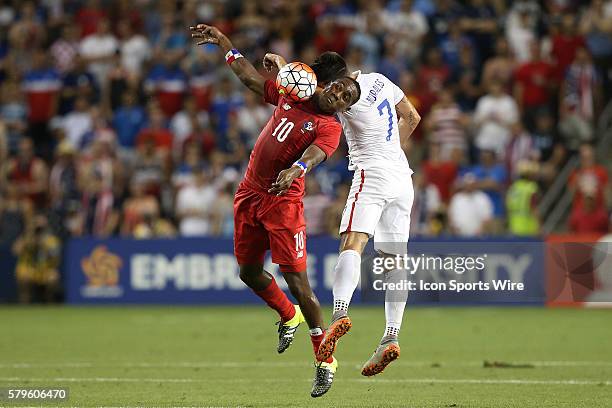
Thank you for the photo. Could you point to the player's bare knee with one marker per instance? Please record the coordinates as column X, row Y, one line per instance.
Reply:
column 355, row 241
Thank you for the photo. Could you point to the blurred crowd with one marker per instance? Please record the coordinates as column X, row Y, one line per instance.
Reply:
column 113, row 123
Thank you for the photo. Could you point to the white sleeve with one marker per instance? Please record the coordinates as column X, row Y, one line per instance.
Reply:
column 513, row 113
column 398, row 94
column 181, row 203
column 487, row 206
column 84, row 47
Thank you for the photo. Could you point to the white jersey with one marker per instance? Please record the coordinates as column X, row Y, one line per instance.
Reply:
column 371, row 125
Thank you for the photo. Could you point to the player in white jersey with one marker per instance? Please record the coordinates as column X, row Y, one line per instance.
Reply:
column 379, row 202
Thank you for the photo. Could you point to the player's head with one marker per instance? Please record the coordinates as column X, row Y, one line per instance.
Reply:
column 339, row 95
column 328, row 67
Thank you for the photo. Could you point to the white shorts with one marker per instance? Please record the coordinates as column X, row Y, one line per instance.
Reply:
column 379, row 204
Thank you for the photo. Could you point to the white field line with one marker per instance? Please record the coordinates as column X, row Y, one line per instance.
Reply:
column 246, row 364
column 275, row 380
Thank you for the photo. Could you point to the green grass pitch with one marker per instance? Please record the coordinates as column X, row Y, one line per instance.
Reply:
column 226, row 357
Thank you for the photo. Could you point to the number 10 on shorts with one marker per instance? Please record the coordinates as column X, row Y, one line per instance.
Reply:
column 299, row 244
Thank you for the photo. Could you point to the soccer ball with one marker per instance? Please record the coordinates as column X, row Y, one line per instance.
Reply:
column 296, row 81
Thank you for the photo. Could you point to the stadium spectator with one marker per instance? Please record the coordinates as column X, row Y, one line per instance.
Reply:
column 596, row 26
column 521, row 28
column 222, row 212
column 193, row 204
column 431, row 77
column 135, row 49
column 466, row 77
column 98, row 50
column 470, row 210
column 28, row 174
column 452, row 44
column 521, row 201
column 77, row 122
column 139, row 207
column 14, row 214
column 28, row 26
column 188, row 122
column 589, row 176
column 565, row 43
column 520, row 148
column 427, row 205
column 251, row 117
column 409, row 24
column 544, row 135
column 65, row 49
column 77, row 81
column 590, row 217
column 439, row 172
column 89, row 16
column 41, row 86
column 496, row 113
column 580, row 93
column 533, row 82
column 392, row 63
column 38, row 253
column 491, row 177
column 156, row 132
column 129, row 120
column 479, row 21
column 224, row 104
column 500, row 67
column 445, row 124
column 13, row 113
column 63, row 178
column 168, row 83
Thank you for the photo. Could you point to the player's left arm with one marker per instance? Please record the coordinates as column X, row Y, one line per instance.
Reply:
column 312, row 156
column 244, row 70
column 409, row 117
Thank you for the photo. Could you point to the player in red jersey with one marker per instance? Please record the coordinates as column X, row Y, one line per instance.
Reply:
column 268, row 209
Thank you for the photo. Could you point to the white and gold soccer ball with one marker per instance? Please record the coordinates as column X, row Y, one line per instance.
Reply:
column 296, row 81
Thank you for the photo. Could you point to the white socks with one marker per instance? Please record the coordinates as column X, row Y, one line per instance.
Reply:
column 395, row 302
column 346, row 278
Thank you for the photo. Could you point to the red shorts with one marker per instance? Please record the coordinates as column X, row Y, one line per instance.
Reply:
column 264, row 221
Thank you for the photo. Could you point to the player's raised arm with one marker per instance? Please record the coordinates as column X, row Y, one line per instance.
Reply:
column 312, row 156
column 409, row 117
column 243, row 69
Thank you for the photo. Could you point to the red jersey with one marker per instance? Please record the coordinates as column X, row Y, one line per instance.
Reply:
column 534, row 76
column 292, row 128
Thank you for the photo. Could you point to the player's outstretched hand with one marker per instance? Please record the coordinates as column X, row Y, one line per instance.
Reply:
column 206, row 34
column 272, row 61
column 284, row 180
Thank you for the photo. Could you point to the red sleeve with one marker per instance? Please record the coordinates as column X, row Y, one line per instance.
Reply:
column 328, row 136
column 271, row 95
column 603, row 175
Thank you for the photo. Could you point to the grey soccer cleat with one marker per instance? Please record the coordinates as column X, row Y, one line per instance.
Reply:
column 386, row 352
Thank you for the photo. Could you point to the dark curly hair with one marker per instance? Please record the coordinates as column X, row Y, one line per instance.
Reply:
column 329, row 66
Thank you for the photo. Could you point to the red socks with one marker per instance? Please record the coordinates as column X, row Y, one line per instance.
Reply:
column 277, row 300
column 316, row 342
